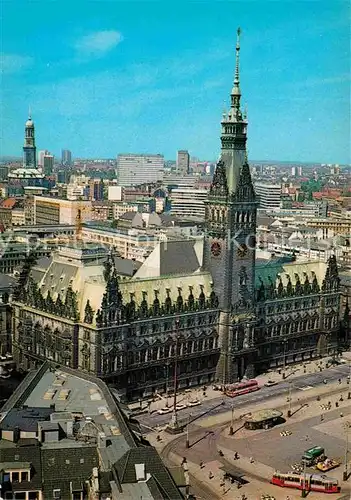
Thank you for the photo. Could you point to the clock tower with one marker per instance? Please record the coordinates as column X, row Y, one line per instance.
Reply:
column 229, row 249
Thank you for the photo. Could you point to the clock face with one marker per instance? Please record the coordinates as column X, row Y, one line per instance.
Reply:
column 252, row 242
column 242, row 251
column 216, row 249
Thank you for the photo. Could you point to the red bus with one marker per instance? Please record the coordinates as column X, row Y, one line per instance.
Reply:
column 307, row 482
column 241, row 388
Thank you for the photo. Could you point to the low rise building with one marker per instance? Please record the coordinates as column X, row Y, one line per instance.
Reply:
column 59, row 211
column 63, row 436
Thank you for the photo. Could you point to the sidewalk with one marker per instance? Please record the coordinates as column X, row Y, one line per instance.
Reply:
column 291, row 372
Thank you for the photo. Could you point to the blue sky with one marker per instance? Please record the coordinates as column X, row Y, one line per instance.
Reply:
column 105, row 77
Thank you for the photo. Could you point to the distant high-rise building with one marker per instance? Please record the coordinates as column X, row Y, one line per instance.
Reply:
column 269, row 195
column 4, row 172
column 183, row 161
column 41, row 155
column 66, row 157
column 293, row 171
column 96, row 189
column 29, row 149
column 48, row 164
column 136, row 169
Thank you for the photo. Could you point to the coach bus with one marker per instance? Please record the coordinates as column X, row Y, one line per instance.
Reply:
column 307, row 482
column 241, row 388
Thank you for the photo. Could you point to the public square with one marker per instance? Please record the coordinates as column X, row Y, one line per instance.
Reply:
column 262, row 452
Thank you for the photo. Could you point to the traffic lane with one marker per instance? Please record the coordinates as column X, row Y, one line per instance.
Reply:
column 298, row 383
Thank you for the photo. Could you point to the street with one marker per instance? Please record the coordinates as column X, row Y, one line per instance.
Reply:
column 298, row 384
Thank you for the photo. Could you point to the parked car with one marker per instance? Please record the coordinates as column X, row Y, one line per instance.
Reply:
column 181, row 406
column 194, row 402
column 270, row 383
column 164, row 411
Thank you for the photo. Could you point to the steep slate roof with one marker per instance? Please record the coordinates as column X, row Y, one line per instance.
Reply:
column 126, row 267
column 60, row 466
column 178, row 257
column 31, row 454
column 161, row 482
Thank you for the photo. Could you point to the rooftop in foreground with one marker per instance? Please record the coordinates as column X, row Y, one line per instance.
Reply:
column 69, row 434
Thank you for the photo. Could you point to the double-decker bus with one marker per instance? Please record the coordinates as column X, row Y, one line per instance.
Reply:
column 307, row 482
column 241, row 388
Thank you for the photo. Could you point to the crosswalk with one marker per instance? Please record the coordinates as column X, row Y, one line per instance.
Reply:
column 285, row 433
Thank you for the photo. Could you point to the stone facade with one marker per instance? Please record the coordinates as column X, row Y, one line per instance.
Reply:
column 131, row 340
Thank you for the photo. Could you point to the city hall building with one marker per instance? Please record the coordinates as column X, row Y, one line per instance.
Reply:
column 210, row 308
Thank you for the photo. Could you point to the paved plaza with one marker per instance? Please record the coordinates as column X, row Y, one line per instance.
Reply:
column 269, row 450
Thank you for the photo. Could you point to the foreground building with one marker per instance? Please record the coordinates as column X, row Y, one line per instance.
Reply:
column 211, row 311
column 64, row 437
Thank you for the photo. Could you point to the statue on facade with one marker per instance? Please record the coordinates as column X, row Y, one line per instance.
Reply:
column 88, row 313
column 202, row 298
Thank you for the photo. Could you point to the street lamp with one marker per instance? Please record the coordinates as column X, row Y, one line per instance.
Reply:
column 231, row 428
column 304, row 492
column 167, row 374
column 289, row 410
column 284, row 357
column 173, row 426
column 345, row 474
column 187, row 432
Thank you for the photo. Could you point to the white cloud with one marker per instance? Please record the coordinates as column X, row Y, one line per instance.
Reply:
column 12, row 63
column 98, row 43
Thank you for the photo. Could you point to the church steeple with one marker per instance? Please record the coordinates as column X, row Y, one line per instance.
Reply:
column 29, row 149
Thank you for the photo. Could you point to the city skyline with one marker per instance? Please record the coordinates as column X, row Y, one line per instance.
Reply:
column 108, row 85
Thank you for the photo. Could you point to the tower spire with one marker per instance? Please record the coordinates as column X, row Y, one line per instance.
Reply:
column 29, row 113
column 236, row 94
column 237, row 58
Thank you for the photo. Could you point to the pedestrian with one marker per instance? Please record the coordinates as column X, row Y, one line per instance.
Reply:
column 341, row 415
column 322, row 417
column 251, row 460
